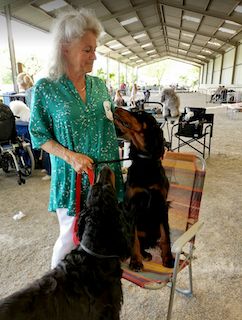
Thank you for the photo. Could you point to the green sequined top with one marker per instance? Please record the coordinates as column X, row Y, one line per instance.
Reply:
column 59, row 113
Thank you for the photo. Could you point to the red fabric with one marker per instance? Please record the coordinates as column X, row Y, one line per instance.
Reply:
column 91, row 177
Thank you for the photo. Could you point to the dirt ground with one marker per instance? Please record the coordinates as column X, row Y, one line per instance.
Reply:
column 26, row 245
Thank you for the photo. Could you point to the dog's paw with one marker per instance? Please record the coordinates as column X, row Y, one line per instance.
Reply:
column 136, row 265
column 146, row 255
column 168, row 262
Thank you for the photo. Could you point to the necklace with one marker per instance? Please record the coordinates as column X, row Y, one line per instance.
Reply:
column 82, row 89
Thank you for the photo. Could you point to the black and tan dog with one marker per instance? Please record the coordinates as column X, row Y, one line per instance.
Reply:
column 146, row 187
column 86, row 284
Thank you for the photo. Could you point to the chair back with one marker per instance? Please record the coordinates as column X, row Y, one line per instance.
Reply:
column 186, row 174
column 191, row 126
column 198, row 113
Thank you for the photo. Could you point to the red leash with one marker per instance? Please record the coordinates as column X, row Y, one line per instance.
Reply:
column 91, row 177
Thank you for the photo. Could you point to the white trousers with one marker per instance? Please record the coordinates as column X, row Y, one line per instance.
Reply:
column 64, row 244
column 126, row 163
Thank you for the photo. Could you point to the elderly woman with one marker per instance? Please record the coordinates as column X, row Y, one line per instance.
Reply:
column 72, row 120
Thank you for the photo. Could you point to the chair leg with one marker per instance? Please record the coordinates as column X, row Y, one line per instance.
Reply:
column 204, row 144
column 168, row 131
column 190, row 290
column 173, row 286
column 210, row 138
column 187, row 292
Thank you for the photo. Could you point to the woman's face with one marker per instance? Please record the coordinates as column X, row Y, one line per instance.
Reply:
column 80, row 53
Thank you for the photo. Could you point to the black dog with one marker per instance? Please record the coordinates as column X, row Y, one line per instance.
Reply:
column 146, row 187
column 86, row 284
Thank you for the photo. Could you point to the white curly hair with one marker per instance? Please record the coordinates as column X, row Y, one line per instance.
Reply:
column 68, row 27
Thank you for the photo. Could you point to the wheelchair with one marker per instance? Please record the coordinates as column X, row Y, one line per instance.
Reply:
column 15, row 152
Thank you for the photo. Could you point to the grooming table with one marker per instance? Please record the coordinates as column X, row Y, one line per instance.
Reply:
column 233, row 109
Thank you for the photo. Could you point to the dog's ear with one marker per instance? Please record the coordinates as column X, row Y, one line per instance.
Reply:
column 154, row 139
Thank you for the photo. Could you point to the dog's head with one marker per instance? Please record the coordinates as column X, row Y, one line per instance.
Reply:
column 142, row 130
column 167, row 93
column 102, row 227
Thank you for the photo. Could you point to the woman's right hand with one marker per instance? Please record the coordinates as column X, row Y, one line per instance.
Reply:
column 80, row 162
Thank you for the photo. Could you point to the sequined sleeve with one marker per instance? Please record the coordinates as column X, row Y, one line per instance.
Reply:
column 40, row 125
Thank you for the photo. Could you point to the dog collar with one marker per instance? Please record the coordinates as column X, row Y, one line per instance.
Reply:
column 146, row 156
column 97, row 255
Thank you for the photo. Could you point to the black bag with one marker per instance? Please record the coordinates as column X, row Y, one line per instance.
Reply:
column 194, row 126
column 7, row 124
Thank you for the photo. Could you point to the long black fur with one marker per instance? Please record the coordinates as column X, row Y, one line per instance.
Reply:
column 83, row 286
column 146, row 186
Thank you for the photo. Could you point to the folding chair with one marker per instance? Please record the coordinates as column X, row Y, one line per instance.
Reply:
column 195, row 133
column 186, row 173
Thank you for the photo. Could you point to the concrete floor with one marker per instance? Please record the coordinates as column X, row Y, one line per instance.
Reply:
column 26, row 245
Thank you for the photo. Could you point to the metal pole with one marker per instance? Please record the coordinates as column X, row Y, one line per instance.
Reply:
column 11, row 47
column 126, row 74
column 212, row 71
column 234, row 64
column 221, row 68
column 107, row 70
column 118, row 74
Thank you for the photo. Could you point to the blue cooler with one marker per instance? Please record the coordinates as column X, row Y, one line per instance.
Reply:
column 7, row 97
column 22, row 128
column 11, row 96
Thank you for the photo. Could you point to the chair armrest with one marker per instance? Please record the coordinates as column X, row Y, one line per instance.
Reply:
column 187, row 236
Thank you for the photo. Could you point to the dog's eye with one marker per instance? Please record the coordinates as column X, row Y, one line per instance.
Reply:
column 127, row 125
